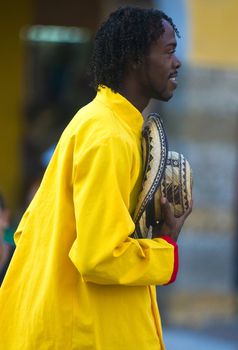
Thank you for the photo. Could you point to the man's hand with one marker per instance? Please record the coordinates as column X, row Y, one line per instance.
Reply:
column 170, row 225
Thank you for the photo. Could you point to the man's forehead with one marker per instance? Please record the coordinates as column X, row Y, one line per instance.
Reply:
column 167, row 25
column 168, row 38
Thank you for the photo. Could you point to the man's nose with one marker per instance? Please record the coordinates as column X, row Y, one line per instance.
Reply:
column 177, row 62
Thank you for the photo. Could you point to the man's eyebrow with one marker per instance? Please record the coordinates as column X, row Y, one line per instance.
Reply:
column 173, row 44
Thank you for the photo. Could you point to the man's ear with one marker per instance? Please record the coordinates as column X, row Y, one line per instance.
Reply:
column 136, row 64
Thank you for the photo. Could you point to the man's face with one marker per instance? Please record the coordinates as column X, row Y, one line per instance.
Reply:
column 159, row 68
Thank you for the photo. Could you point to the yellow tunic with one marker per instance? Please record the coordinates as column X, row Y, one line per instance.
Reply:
column 77, row 279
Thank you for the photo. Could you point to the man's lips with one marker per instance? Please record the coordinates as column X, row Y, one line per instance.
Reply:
column 173, row 78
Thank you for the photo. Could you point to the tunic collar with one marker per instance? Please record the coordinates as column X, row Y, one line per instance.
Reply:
column 121, row 107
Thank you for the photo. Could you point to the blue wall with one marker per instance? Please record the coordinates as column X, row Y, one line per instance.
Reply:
column 177, row 10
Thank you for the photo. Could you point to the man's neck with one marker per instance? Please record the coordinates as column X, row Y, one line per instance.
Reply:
column 131, row 92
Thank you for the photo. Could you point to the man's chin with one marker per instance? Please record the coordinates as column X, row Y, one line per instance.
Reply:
column 164, row 95
column 165, row 98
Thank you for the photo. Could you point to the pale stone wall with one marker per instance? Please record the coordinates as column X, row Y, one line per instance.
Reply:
column 201, row 122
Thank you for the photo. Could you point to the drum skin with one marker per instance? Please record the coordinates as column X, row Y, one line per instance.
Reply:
column 165, row 173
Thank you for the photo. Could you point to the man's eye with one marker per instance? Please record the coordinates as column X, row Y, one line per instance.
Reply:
column 171, row 52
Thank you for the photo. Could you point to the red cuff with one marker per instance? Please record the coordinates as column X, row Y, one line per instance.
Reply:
column 176, row 260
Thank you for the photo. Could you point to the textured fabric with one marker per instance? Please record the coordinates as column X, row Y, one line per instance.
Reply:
column 176, row 185
column 77, row 279
column 154, row 155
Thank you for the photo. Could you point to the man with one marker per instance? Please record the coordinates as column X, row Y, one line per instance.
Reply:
column 78, row 280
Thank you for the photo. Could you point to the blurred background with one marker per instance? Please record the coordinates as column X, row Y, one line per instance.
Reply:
column 45, row 49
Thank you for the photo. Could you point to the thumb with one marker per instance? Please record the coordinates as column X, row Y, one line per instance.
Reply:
column 167, row 214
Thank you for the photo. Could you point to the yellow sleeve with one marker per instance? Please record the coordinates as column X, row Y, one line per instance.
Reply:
column 18, row 232
column 103, row 251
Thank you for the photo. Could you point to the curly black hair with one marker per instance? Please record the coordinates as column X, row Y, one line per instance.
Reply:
column 124, row 38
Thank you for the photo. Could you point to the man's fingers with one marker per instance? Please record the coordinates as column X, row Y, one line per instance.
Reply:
column 189, row 210
column 167, row 212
